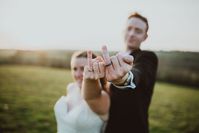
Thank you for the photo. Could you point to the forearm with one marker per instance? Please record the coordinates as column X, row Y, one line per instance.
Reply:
column 91, row 89
column 96, row 98
column 137, row 75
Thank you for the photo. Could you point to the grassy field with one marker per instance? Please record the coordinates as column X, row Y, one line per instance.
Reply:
column 28, row 94
column 173, row 66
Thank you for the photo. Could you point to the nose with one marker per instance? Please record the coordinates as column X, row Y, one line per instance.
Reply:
column 79, row 74
column 131, row 33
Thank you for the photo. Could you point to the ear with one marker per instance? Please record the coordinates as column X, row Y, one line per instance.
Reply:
column 145, row 37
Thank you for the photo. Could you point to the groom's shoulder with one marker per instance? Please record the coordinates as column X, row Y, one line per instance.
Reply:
column 147, row 52
column 148, row 55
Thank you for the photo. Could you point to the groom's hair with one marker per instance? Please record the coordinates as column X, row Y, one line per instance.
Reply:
column 137, row 15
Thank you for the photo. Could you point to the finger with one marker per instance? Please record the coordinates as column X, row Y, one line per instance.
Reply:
column 100, row 59
column 101, row 69
column 115, row 63
column 96, row 70
column 86, row 69
column 89, row 59
column 105, row 55
column 128, row 59
column 86, row 74
column 129, row 67
column 103, row 82
column 123, row 53
column 120, row 60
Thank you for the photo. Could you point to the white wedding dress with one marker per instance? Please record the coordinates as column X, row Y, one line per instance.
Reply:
column 73, row 115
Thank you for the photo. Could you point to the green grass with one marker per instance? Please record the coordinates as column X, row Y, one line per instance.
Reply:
column 174, row 109
column 27, row 97
column 28, row 94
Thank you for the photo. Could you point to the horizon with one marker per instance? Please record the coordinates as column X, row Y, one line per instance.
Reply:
column 35, row 50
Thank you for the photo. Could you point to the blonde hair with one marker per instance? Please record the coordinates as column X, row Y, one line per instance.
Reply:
column 81, row 54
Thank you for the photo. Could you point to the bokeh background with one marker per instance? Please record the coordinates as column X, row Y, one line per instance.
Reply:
column 38, row 37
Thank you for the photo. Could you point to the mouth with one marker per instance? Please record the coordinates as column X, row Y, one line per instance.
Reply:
column 131, row 40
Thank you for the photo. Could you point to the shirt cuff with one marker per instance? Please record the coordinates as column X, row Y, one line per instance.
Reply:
column 128, row 83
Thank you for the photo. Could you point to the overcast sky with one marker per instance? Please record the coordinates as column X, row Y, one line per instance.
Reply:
column 89, row 24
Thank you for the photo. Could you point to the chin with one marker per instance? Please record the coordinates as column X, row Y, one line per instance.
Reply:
column 132, row 46
column 80, row 84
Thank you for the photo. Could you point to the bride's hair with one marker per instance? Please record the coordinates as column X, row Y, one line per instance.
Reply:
column 82, row 54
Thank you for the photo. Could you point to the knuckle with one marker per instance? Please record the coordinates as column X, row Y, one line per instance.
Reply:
column 113, row 77
column 101, row 76
column 108, row 78
column 117, row 74
column 92, row 76
column 113, row 58
column 121, row 74
column 129, row 68
column 125, row 71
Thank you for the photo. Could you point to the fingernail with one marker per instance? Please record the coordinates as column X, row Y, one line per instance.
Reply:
column 104, row 47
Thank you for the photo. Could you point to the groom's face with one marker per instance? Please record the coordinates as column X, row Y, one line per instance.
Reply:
column 135, row 33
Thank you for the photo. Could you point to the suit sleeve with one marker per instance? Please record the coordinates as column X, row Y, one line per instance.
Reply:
column 143, row 71
column 145, row 68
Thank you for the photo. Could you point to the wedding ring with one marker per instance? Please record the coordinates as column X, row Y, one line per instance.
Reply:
column 108, row 64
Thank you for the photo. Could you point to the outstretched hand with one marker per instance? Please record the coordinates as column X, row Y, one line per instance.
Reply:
column 113, row 69
column 117, row 66
column 95, row 67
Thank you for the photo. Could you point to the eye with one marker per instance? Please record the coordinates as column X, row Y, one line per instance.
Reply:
column 129, row 28
column 75, row 68
column 139, row 31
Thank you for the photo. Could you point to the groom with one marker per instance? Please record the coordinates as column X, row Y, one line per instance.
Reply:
column 131, row 91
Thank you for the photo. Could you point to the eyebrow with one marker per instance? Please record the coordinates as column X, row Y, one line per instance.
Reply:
column 138, row 28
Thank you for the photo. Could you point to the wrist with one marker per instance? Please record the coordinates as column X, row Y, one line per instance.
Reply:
column 121, row 81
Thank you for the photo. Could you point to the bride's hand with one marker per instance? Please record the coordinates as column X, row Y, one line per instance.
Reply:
column 95, row 68
column 93, row 86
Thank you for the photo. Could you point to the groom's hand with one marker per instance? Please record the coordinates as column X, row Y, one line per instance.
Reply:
column 117, row 67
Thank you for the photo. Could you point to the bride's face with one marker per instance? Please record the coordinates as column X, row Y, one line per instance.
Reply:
column 77, row 66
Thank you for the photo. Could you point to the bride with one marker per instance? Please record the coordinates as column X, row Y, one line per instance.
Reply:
column 85, row 108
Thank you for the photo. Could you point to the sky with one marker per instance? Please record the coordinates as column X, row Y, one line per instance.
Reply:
column 89, row 24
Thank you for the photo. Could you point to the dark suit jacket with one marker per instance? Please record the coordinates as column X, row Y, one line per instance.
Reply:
column 129, row 107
